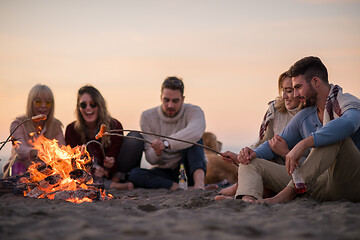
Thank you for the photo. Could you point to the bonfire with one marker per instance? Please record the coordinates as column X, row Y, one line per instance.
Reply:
column 60, row 172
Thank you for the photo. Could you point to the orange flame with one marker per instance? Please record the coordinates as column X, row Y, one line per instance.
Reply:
column 60, row 162
column 15, row 143
column 77, row 200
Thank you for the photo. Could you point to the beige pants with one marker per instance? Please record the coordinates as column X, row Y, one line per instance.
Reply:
column 331, row 173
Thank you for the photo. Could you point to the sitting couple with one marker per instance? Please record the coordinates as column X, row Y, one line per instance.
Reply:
column 328, row 125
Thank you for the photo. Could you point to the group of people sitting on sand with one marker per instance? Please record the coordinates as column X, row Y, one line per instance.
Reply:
column 312, row 127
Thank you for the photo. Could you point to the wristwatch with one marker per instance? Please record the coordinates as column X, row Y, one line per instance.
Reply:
column 166, row 144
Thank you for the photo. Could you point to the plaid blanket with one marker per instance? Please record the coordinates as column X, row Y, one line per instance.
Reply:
column 268, row 116
column 338, row 102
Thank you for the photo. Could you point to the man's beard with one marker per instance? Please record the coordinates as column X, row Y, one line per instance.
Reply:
column 311, row 101
column 308, row 103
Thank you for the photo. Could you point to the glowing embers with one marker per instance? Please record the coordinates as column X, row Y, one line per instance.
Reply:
column 61, row 173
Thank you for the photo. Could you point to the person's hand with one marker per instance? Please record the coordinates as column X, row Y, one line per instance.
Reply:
column 158, row 146
column 293, row 157
column 279, row 146
column 229, row 156
column 100, row 172
column 245, row 155
column 109, row 162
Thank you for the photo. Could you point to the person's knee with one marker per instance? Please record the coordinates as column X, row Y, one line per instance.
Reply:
column 135, row 134
column 254, row 163
column 136, row 143
column 136, row 173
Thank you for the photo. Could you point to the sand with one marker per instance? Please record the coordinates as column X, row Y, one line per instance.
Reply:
column 161, row 214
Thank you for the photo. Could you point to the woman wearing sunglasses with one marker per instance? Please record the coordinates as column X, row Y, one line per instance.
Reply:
column 91, row 113
column 40, row 101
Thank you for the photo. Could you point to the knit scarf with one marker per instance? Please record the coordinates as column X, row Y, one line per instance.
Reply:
column 338, row 102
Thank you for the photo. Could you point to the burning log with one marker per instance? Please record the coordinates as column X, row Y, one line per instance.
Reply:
column 77, row 194
column 22, row 187
column 59, row 173
column 80, row 176
column 50, row 181
column 15, row 178
column 35, row 193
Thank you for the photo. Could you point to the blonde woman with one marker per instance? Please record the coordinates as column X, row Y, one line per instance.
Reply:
column 40, row 101
column 278, row 115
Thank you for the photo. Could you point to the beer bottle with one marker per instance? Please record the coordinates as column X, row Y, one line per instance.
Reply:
column 182, row 177
column 299, row 183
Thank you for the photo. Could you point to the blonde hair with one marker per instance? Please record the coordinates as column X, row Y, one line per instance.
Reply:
column 279, row 101
column 51, row 124
column 103, row 114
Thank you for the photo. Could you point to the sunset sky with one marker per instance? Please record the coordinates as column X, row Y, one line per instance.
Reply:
column 229, row 53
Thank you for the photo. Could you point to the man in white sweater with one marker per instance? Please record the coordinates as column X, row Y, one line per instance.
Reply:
column 179, row 120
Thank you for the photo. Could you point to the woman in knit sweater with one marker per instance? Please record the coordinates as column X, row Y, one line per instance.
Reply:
column 179, row 120
column 278, row 115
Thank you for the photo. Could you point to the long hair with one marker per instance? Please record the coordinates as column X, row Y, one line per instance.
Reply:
column 103, row 114
column 51, row 124
column 279, row 101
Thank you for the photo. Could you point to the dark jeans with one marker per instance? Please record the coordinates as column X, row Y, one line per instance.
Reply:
column 193, row 159
column 129, row 157
column 130, row 153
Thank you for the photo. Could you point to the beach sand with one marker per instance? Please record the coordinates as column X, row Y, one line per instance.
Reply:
column 161, row 214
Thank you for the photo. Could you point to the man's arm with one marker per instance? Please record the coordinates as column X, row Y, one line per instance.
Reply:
column 332, row 132
column 337, row 129
column 145, row 125
column 194, row 129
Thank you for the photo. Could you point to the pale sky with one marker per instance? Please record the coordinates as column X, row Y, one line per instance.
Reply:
column 229, row 54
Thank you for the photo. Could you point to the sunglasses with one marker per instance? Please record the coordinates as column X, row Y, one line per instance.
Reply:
column 83, row 105
column 39, row 103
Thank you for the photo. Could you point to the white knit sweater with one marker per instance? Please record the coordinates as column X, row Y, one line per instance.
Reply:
column 188, row 124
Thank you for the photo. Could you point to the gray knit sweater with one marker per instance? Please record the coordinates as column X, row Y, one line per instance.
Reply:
column 188, row 124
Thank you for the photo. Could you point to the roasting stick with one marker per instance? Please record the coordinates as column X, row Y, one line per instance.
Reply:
column 175, row 139
column 94, row 141
column 113, row 133
column 10, row 140
column 102, row 133
column 131, row 137
column 36, row 118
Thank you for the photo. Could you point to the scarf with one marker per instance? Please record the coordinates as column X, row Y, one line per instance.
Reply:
column 338, row 102
column 268, row 116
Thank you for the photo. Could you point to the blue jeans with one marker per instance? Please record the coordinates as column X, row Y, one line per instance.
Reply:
column 193, row 159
